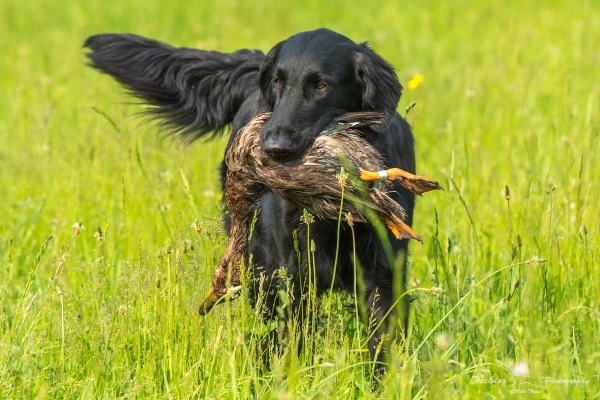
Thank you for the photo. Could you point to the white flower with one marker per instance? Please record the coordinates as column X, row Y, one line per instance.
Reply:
column 521, row 369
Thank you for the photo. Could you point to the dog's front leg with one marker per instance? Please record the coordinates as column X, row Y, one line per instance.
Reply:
column 388, row 311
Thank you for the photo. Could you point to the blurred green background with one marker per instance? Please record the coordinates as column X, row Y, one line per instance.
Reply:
column 109, row 233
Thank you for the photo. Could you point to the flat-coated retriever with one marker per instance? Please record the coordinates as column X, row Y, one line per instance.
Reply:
column 305, row 81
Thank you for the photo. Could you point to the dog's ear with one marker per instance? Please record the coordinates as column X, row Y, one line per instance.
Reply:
column 381, row 88
column 266, row 77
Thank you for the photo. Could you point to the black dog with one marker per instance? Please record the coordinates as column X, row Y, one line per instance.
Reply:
column 305, row 81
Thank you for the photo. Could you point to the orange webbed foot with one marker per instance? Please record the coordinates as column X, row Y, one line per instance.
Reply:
column 415, row 183
column 401, row 230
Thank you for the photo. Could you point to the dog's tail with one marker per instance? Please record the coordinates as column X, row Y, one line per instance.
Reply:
column 192, row 92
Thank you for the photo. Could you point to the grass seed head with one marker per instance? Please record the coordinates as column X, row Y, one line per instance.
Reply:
column 307, row 218
column 78, row 227
column 506, row 193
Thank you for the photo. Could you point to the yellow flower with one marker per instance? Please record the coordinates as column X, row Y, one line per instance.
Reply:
column 415, row 81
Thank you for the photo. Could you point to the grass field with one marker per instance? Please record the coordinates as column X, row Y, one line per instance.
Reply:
column 108, row 234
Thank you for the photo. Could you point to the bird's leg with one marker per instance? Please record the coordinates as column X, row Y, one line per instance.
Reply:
column 415, row 183
column 226, row 283
column 400, row 229
column 215, row 298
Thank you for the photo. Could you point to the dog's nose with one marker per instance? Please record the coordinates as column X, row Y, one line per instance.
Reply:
column 278, row 143
column 277, row 152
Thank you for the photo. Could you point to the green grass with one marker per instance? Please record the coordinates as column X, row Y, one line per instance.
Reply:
column 510, row 97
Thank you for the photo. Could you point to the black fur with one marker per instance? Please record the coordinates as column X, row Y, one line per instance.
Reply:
column 306, row 81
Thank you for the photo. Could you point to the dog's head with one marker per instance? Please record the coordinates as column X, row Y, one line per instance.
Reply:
column 312, row 77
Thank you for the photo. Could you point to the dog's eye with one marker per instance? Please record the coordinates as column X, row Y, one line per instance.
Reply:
column 319, row 86
column 278, row 83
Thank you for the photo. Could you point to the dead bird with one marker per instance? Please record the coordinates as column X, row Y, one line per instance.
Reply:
column 328, row 176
